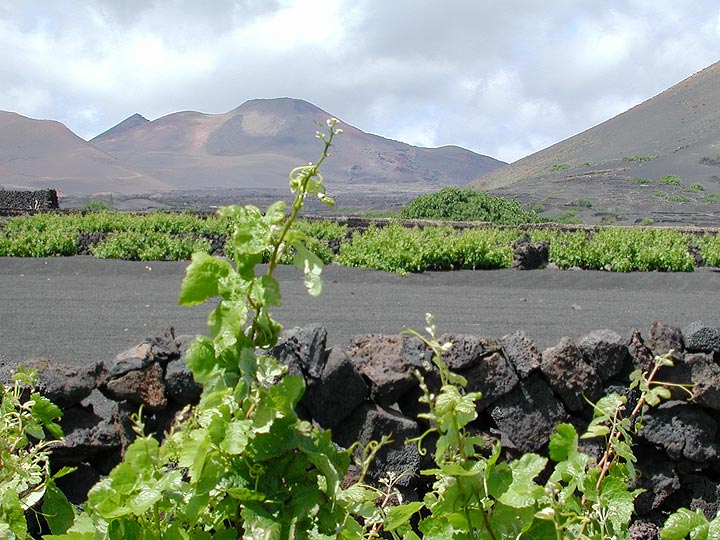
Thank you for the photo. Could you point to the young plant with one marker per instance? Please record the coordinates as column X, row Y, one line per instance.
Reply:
column 240, row 464
column 28, row 432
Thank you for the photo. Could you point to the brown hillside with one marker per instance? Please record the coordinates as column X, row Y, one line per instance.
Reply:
column 40, row 154
column 679, row 129
column 256, row 144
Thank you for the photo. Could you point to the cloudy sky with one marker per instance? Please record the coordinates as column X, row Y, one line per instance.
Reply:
column 503, row 78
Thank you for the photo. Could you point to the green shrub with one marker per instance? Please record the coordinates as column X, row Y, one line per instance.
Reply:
column 558, row 167
column 96, row 206
column 709, row 245
column 670, row 180
column 641, row 181
column 678, row 198
column 711, row 198
column 567, row 217
column 466, row 204
column 584, row 203
column 399, row 249
column 695, row 187
column 152, row 246
column 38, row 244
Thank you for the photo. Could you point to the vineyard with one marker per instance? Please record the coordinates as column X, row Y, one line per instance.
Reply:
column 390, row 245
column 244, row 463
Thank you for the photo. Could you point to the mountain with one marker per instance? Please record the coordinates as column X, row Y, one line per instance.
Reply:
column 259, row 142
column 618, row 166
column 252, row 146
column 40, row 154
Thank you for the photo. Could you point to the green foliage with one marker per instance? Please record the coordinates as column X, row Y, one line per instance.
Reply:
column 48, row 244
column 475, row 495
column 710, row 249
column 584, row 203
column 150, row 246
column 641, row 181
column 670, row 180
column 241, row 464
column 620, row 249
column 567, row 217
column 466, row 204
column 96, row 206
column 639, row 159
column 695, row 187
column 400, row 249
column 558, row 167
column 28, row 431
column 711, row 198
column 678, row 198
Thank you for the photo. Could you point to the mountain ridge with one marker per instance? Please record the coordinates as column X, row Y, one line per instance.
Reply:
column 252, row 146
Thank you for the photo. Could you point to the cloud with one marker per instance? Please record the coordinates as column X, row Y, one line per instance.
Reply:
column 503, row 79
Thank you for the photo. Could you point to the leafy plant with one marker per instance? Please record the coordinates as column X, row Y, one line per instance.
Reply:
column 28, row 432
column 670, row 180
column 711, row 198
column 476, row 495
column 558, row 167
column 95, row 206
column 567, row 217
column 641, row 181
column 695, row 187
column 467, row 204
column 678, row 198
column 584, row 203
column 241, row 463
column 149, row 246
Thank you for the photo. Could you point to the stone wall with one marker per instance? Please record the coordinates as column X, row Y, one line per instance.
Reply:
column 16, row 202
column 368, row 389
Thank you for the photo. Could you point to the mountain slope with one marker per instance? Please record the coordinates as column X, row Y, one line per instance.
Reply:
column 674, row 133
column 256, row 144
column 40, row 154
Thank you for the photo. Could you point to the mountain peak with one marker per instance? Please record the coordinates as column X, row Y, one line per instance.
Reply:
column 130, row 122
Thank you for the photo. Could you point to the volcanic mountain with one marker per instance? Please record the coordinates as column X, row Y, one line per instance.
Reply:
column 259, row 142
column 252, row 146
column 660, row 159
column 42, row 154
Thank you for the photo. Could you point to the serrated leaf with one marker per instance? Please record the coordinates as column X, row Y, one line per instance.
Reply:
column 82, row 529
column 202, row 278
column 311, row 265
column 563, row 442
column 523, row 491
column 236, row 437
column 46, row 412
column 400, row 515
column 595, row 431
column 252, row 232
column 618, row 502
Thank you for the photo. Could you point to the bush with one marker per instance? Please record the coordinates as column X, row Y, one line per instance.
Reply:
column 710, row 249
column 670, row 180
column 399, row 249
column 641, row 181
column 465, row 204
column 559, row 167
column 134, row 246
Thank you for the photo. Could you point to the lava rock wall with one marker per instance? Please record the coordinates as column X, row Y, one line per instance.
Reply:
column 370, row 388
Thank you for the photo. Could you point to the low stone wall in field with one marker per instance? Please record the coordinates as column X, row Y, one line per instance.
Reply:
column 16, row 202
column 368, row 389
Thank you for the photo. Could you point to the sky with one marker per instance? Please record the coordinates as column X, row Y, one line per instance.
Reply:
column 503, row 78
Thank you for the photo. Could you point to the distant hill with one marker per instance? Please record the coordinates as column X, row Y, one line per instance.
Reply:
column 256, row 145
column 42, row 154
column 675, row 133
column 252, row 146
